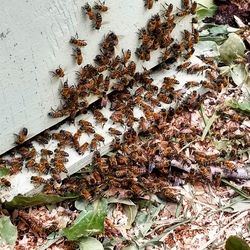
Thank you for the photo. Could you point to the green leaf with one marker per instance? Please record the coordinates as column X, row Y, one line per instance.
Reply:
column 144, row 220
column 206, row 8
column 238, row 74
column 208, row 125
column 121, row 201
column 90, row 243
column 21, row 201
column 131, row 212
column 81, row 204
column 236, row 189
column 206, row 48
column 89, row 221
column 232, row 48
column 4, row 172
column 236, row 243
column 132, row 246
column 239, row 206
column 8, row 232
column 242, row 106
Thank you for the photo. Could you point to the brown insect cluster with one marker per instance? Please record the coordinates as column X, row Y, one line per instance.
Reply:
column 137, row 165
column 95, row 13
column 157, row 35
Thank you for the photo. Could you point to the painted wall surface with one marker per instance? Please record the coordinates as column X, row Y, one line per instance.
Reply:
column 34, row 39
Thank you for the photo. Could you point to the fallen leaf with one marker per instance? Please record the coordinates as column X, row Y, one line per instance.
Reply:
column 236, row 243
column 8, row 232
column 90, row 243
column 89, row 222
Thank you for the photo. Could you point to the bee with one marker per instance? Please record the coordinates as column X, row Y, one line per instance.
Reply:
column 98, row 21
column 99, row 117
column 84, row 123
column 22, row 136
column 168, row 194
column 102, row 60
column 93, row 145
column 5, row 182
column 185, row 4
column 35, row 225
column 86, row 195
column 38, row 180
column 195, row 36
column 31, row 164
column 43, row 166
column 117, row 117
column 59, row 166
column 191, row 84
column 99, row 138
column 121, row 173
column 78, row 55
column 193, row 8
column 137, row 190
column 77, row 42
column 126, row 56
column 183, row 66
column 26, row 153
column 114, row 131
column 168, row 10
column 230, row 165
column 58, row 113
column 46, row 152
column 59, row 72
column 101, row 7
column 61, row 152
column 88, row 129
column 149, row 4
column 76, row 138
column 83, row 148
column 205, row 173
column 138, row 170
column 189, row 53
column 89, row 11
column 43, row 138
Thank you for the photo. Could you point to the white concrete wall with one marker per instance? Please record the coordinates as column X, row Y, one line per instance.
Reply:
column 34, row 39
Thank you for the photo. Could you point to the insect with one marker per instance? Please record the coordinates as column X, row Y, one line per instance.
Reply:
column 149, row 4
column 78, row 55
column 86, row 195
column 77, row 42
column 43, row 166
column 59, row 72
column 89, row 11
column 59, row 166
column 126, row 56
column 229, row 165
column 93, row 145
column 137, row 190
column 35, row 225
column 22, row 136
column 121, row 173
column 58, row 113
column 98, row 21
column 46, row 152
column 191, row 84
column 99, row 117
column 183, row 66
column 38, row 180
column 114, row 131
column 83, row 148
column 99, row 137
column 101, row 6
column 168, row 10
column 5, row 182
column 31, row 164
